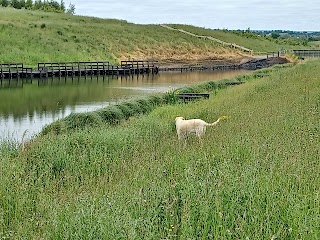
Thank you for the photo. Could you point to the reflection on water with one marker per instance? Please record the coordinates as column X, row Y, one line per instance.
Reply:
column 32, row 105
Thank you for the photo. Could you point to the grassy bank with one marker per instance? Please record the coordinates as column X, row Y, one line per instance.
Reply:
column 246, row 39
column 254, row 176
column 32, row 36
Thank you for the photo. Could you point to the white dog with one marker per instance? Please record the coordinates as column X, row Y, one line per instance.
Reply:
column 196, row 126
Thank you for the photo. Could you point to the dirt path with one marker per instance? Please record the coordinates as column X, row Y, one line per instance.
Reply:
column 247, row 50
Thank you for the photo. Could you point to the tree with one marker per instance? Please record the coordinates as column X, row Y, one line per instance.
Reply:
column 15, row 4
column 22, row 3
column 4, row 3
column 275, row 35
column 71, row 9
column 28, row 4
column 37, row 5
column 62, row 6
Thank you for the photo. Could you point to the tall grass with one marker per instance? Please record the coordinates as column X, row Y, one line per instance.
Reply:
column 254, row 176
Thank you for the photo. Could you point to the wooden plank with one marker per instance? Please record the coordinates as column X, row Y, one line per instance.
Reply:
column 192, row 96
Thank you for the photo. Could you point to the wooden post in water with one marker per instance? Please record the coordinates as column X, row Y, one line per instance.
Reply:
column 46, row 71
column 31, row 75
column 52, row 71
column 72, row 71
column 10, row 74
column 2, row 77
column 137, row 68
column 65, row 69
column 18, row 74
column 60, row 74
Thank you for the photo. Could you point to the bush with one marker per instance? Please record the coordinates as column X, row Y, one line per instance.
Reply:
column 111, row 114
column 81, row 120
column 156, row 100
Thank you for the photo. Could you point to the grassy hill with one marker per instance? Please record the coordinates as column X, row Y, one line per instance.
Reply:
column 249, row 40
column 255, row 176
column 32, row 36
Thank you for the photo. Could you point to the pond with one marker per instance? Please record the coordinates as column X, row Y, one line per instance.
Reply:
column 29, row 106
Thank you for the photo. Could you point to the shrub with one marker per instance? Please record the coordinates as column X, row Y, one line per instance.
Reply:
column 80, row 120
column 156, row 100
column 111, row 114
column 145, row 105
column 126, row 110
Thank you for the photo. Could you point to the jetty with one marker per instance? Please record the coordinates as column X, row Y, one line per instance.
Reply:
column 64, row 69
column 46, row 70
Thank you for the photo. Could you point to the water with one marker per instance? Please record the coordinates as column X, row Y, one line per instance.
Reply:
column 28, row 107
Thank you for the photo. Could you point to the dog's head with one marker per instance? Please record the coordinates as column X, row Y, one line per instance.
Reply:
column 179, row 118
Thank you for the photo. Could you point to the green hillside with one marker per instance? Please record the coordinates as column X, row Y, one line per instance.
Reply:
column 32, row 36
column 246, row 39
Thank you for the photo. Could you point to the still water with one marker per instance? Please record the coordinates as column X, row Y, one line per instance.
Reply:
column 30, row 106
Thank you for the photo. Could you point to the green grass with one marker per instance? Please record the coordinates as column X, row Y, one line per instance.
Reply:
column 252, row 41
column 30, row 37
column 254, row 176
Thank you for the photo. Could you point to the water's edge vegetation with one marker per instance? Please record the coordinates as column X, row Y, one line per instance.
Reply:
column 122, row 111
column 254, row 176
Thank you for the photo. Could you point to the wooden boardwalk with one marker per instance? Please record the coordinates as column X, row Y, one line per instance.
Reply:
column 59, row 69
column 14, row 70
column 200, row 68
column 307, row 53
column 47, row 70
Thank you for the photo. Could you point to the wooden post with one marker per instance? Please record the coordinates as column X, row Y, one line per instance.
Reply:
column 52, row 71
column 137, row 67
column 2, row 77
column 10, row 74
column 18, row 74
column 31, row 75
column 59, row 70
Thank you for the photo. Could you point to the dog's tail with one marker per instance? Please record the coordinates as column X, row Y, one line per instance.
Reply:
column 216, row 122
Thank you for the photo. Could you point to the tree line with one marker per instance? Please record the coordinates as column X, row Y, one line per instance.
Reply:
column 42, row 5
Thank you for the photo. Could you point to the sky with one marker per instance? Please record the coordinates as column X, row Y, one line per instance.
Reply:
column 295, row 15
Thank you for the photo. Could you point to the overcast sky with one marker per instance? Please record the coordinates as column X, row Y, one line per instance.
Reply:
column 229, row 14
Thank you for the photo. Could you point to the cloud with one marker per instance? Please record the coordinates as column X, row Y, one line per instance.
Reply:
column 231, row 14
